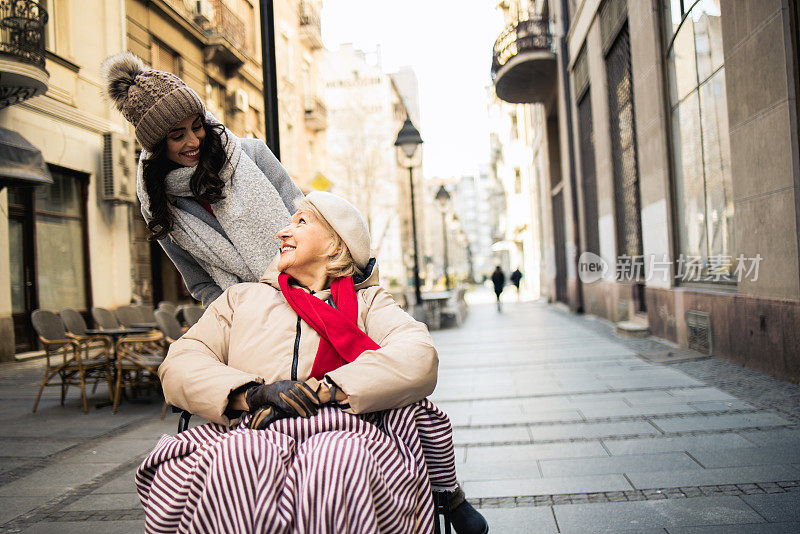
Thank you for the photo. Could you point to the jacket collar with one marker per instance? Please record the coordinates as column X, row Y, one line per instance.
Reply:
column 369, row 278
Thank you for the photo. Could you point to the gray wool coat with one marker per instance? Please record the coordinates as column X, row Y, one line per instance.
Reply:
column 198, row 281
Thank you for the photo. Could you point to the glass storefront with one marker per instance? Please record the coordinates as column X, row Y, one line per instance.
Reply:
column 700, row 136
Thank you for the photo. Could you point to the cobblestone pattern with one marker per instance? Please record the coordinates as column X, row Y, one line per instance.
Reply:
column 735, row 490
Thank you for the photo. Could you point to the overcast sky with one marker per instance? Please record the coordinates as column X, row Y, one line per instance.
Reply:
column 448, row 43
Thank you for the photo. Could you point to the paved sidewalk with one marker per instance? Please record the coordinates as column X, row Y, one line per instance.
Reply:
column 560, row 427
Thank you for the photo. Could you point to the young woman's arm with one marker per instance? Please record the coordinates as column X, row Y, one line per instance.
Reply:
column 265, row 160
column 198, row 281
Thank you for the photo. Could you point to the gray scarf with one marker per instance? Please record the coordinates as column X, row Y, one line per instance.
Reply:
column 251, row 214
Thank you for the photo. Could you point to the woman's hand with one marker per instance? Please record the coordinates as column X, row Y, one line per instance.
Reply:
column 290, row 398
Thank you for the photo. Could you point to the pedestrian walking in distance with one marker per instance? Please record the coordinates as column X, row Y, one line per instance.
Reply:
column 499, row 281
column 516, row 277
column 214, row 202
column 330, row 439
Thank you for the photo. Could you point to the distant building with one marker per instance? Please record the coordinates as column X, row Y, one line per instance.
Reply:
column 477, row 200
column 366, row 111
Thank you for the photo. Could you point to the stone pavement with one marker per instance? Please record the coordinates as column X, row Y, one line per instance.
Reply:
column 559, row 426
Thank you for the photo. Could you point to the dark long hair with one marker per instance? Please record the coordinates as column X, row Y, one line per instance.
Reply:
column 205, row 183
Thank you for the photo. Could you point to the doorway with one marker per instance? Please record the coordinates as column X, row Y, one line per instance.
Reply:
column 48, row 245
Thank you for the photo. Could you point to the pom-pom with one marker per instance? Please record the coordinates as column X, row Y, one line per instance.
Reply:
column 119, row 72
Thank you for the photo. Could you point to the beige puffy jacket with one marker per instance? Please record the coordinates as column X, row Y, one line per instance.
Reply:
column 250, row 334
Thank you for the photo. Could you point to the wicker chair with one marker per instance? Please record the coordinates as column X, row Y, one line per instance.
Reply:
column 104, row 318
column 138, row 358
column 192, row 314
column 145, row 314
column 72, row 368
column 76, row 327
column 169, row 326
column 128, row 316
column 169, row 307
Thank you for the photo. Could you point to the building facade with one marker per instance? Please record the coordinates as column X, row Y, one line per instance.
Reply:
column 64, row 244
column 678, row 151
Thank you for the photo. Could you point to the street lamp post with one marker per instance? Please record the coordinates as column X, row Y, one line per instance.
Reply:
column 408, row 139
column 443, row 197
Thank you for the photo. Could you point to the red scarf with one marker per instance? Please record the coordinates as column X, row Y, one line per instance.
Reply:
column 341, row 341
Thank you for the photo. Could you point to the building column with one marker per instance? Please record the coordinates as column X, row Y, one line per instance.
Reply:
column 6, row 321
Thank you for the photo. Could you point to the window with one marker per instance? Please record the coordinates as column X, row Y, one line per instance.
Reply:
column 58, row 221
column 700, row 136
column 164, row 58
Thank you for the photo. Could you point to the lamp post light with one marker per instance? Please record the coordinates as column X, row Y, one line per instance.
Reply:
column 443, row 198
column 408, row 139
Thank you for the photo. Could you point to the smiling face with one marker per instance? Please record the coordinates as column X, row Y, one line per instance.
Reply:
column 184, row 141
column 306, row 248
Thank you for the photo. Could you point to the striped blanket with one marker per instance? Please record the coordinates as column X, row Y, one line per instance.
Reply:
column 333, row 472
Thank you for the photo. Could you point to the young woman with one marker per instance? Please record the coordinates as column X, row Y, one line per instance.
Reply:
column 212, row 200
column 319, row 423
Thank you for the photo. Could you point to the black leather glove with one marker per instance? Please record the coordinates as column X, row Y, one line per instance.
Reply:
column 289, row 397
column 263, row 417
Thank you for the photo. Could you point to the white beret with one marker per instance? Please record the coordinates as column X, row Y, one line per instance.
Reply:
column 346, row 221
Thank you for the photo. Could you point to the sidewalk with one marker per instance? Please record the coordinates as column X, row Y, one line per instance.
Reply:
column 560, row 427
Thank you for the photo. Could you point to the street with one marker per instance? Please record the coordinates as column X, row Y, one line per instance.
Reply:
column 559, row 427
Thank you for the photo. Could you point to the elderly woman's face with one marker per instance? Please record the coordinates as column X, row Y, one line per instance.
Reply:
column 305, row 247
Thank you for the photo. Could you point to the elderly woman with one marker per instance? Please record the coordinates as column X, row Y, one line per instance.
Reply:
column 314, row 381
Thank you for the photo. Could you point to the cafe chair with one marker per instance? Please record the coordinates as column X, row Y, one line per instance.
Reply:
column 76, row 329
column 104, row 318
column 192, row 314
column 138, row 358
column 145, row 314
column 128, row 316
column 169, row 326
column 65, row 360
column 169, row 307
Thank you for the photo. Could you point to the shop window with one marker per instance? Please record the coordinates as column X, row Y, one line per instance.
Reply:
column 59, row 212
column 700, row 137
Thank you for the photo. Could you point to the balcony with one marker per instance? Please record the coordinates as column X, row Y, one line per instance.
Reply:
column 310, row 26
column 524, row 64
column 316, row 114
column 22, row 56
column 227, row 38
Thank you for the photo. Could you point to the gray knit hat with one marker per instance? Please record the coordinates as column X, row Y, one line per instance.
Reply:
column 153, row 101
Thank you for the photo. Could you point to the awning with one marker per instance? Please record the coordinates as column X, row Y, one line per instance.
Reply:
column 21, row 163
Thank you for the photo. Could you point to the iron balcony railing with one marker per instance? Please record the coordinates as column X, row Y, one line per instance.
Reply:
column 309, row 15
column 22, row 26
column 228, row 25
column 525, row 34
column 310, row 25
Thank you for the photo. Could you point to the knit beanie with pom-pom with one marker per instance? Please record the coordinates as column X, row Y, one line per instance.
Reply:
column 153, row 101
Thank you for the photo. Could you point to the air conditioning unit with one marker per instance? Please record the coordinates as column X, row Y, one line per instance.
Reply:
column 203, row 12
column 241, row 100
column 119, row 168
